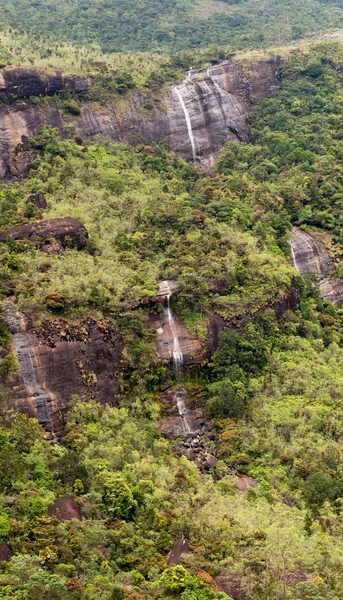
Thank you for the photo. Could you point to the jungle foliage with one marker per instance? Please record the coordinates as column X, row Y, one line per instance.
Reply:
column 173, row 25
column 273, row 387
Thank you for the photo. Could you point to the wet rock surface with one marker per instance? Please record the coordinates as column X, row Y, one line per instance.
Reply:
column 185, row 422
column 213, row 106
column 190, row 346
column 62, row 359
column 67, row 231
column 310, row 257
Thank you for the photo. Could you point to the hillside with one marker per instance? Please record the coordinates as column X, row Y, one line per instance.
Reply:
column 173, row 25
column 171, row 286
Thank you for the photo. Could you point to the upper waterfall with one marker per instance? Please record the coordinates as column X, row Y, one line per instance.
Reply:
column 203, row 114
column 188, row 122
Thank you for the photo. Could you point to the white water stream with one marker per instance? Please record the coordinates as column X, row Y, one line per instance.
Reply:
column 293, row 259
column 181, row 406
column 188, row 122
column 177, row 353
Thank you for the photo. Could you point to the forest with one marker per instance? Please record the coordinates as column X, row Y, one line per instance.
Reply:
column 273, row 387
column 166, row 26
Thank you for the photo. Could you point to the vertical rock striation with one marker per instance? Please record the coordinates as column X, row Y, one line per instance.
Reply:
column 310, row 257
column 61, row 360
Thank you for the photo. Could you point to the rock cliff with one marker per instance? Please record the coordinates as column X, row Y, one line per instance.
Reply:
column 194, row 118
column 310, row 257
column 67, row 231
column 62, row 359
column 16, row 84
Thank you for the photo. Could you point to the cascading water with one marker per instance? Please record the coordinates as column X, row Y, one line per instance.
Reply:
column 293, row 259
column 188, row 122
column 180, row 393
column 177, row 353
column 181, row 406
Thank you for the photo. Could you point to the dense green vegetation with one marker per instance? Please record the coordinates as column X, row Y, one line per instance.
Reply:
column 173, row 25
column 273, row 387
column 297, row 153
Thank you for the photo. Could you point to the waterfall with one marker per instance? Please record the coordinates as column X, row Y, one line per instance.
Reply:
column 181, row 406
column 293, row 259
column 188, row 122
column 177, row 353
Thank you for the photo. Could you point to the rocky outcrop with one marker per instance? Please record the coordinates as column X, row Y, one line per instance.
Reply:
column 60, row 360
column 179, row 548
column 310, row 257
column 194, row 118
column 190, row 346
column 16, row 84
column 5, row 552
column 18, row 123
column 65, row 509
column 183, row 419
column 38, row 200
column 66, row 231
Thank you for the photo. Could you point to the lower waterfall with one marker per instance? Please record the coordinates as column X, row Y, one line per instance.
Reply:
column 183, row 412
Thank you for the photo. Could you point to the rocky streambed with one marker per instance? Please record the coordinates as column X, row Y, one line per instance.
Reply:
column 183, row 420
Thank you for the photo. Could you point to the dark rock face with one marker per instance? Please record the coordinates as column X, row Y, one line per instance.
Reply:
column 5, row 552
column 60, row 360
column 179, row 548
column 310, row 257
column 65, row 509
column 19, row 122
column 37, row 200
column 194, row 118
column 67, row 231
column 21, row 83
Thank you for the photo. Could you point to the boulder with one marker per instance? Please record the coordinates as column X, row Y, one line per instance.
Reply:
column 65, row 509
column 179, row 548
column 67, row 231
column 38, row 200
column 244, row 482
column 5, row 552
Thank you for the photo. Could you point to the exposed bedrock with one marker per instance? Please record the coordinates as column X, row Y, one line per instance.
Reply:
column 190, row 346
column 62, row 359
column 183, row 419
column 22, row 83
column 310, row 257
column 194, row 118
column 67, row 231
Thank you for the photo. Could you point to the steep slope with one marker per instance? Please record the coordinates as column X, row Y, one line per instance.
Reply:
column 194, row 118
column 169, row 25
